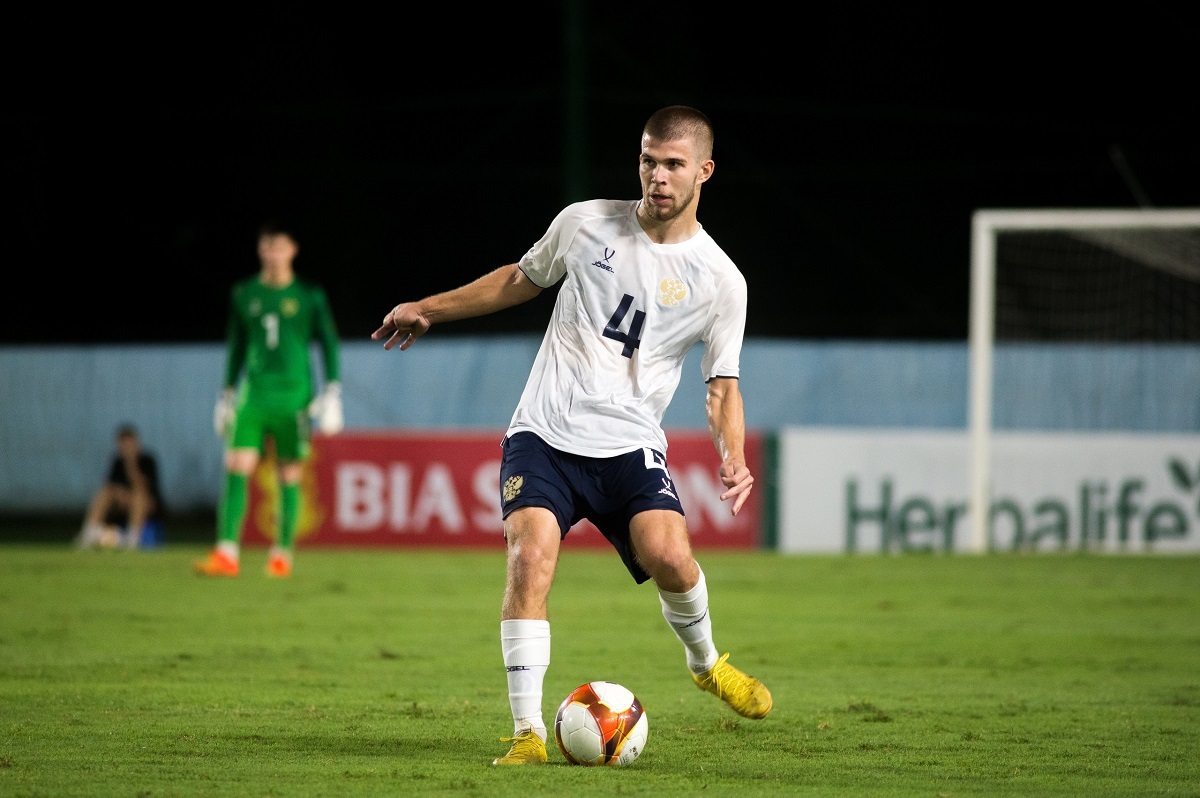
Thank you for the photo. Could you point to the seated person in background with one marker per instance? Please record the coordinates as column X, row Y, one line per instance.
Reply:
column 127, row 510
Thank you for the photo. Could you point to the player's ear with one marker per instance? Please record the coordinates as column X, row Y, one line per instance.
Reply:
column 706, row 170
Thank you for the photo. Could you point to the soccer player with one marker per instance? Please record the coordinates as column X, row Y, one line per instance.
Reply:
column 129, row 498
column 274, row 317
column 642, row 282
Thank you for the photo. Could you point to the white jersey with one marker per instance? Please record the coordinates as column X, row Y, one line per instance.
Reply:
column 626, row 315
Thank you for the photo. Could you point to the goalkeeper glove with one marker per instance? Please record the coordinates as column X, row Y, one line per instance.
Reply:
column 223, row 413
column 326, row 409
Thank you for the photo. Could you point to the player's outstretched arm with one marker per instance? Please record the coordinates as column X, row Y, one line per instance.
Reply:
column 497, row 290
column 727, row 426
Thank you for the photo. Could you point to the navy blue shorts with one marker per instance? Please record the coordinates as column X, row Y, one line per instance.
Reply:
column 608, row 491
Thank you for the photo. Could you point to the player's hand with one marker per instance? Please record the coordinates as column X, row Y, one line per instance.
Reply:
column 401, row 327
column 223, row 412
column 326, row 410
column 739, row 481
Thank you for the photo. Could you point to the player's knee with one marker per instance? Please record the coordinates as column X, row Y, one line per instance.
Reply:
column 291, row 471
column 668, row 559
column 532, row 536
column 533, row 550
column 241, row 461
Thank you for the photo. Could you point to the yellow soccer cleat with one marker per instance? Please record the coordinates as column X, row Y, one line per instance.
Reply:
column 279, row 566
column 527, row 749
column 217, row 564
column 744, row 694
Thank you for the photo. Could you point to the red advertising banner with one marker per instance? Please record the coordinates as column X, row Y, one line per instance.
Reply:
column 383, row 488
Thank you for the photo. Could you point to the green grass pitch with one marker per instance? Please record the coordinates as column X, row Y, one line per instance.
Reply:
column 378, row 672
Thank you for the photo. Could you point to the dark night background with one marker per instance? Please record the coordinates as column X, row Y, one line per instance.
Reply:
column 418, row 150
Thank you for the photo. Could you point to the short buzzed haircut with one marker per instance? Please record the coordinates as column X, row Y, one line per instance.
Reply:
column 682, row 121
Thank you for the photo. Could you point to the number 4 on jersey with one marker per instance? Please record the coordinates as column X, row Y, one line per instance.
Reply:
column 631, row 339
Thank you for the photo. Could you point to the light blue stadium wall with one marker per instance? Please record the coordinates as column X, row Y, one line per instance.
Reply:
column 62, row 403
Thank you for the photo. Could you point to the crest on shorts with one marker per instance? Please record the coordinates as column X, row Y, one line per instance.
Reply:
column 671, row 292
column 512, row 488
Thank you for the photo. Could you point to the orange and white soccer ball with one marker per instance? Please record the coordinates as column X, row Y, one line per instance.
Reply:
column 601, row 723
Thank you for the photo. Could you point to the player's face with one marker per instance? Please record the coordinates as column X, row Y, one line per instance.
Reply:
column 275, row 249
column 671, row 174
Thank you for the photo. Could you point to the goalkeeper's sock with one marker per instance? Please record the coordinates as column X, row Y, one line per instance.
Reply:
column 231, row 512
column 526, row 648
column 687, row 613
column 289, row 514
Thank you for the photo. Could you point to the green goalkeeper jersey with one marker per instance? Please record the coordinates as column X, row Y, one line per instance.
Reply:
column 269, row 333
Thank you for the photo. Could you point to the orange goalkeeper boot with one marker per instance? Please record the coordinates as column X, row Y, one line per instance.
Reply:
column 279, row 566
column 217, row 563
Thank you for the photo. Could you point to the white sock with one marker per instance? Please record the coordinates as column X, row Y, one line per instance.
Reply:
column 229, row 549
column 687, row 613
column 526, row 648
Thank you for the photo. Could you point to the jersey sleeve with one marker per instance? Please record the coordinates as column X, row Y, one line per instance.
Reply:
column 723, row 339
column 544, row 263
column 327, row 334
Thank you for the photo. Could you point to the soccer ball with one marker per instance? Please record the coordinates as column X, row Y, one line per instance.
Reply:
column 601, row 723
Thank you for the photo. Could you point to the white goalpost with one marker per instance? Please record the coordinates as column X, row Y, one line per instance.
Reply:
column 1092, row 277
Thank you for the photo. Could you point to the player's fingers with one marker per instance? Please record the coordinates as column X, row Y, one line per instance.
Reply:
column 741, row 499
column 411, row 337
column 398, row 339
column 738, row 477
column 738, row 485
column 400, row 334
column 415, row 330
column 389, row 320
column 737, row 490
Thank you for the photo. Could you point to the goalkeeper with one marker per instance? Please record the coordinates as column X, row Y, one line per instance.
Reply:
column 268, row 395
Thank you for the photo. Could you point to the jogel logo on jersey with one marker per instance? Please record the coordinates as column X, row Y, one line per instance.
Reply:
column 604, row 264
column 671, row 292
column 289, row 306
column 512, row 488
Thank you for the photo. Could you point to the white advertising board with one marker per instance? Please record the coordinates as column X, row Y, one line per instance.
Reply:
column 875, row 491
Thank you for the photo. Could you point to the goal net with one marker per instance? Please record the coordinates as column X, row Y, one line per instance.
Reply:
column 1078, row 321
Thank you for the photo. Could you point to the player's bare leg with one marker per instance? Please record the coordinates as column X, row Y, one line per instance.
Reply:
column 663, row 549
column 532, row 538
column 660, row 539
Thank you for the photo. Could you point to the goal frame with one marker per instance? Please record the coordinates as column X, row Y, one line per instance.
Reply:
column 985, row 225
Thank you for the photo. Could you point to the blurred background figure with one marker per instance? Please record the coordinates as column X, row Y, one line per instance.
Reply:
column 268, row 397
column 127, row 510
